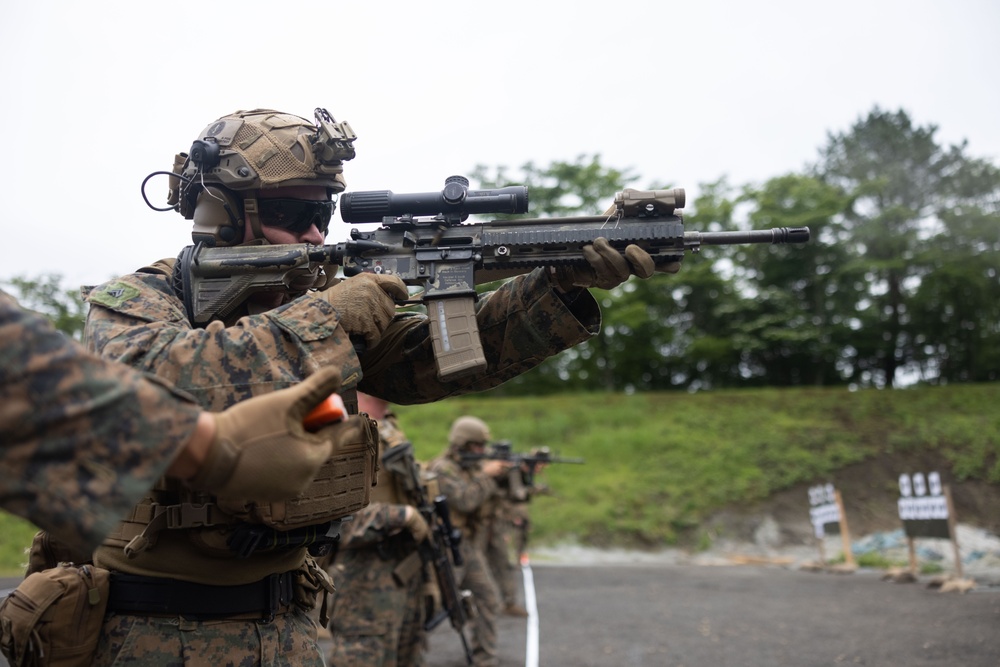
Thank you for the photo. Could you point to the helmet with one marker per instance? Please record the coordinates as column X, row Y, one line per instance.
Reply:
column 214, row 183
column 468, row 429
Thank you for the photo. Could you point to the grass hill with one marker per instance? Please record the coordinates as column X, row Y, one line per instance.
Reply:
column 661, row 466
column 683, row 469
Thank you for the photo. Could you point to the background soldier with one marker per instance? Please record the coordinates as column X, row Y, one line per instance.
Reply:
column 224, row 579
column 511, row 497
column 470, row 487
column 378, row 612
column 521, row 508
column 512, row 523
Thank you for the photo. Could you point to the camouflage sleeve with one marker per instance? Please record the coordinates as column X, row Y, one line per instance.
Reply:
column 82, row 439
column 521, row 324
column 374, row 524
column 138, row 320
column 466, row 493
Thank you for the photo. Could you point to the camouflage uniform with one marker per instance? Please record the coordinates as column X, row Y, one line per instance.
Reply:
column 82, row 439
column 470, row 493
column 139, row 320
column 378, row 614
column 512, row 523
column 512, row 493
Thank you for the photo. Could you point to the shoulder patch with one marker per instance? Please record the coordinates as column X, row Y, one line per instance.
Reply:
column 113, row 295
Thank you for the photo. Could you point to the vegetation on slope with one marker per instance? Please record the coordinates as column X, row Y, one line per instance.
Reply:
column 659, row 464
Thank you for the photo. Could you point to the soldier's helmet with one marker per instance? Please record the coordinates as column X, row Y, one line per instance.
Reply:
column 215, row 182
column 466, row 430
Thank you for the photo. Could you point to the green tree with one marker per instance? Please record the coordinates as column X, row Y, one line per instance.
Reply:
column 955, row 312
column 799, row 322
column 45, row 294
column 581, row 187
column 689, row 315
column 907, row 192
column 900, row 279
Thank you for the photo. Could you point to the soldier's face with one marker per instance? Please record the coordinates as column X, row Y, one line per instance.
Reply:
column 279, row 235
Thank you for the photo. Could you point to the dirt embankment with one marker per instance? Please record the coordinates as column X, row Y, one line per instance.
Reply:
column 869, row 491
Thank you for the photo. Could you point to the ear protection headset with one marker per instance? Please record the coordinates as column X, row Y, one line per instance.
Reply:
column 216, row 211
column 205, row 154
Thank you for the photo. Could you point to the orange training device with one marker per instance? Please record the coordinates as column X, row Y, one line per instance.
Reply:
column 330, row 411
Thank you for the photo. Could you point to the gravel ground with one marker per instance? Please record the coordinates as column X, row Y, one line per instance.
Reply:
column 668, row 611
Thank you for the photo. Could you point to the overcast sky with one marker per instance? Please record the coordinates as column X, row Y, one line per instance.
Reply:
column 96, row 95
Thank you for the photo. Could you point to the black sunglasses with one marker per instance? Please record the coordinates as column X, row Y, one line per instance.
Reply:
column 295, row 215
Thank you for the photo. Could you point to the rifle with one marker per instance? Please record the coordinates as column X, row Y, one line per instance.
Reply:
column 441, row 550
column 503, row 451
column 424, row 240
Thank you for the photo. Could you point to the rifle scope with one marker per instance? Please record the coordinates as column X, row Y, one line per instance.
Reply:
column 456, row 199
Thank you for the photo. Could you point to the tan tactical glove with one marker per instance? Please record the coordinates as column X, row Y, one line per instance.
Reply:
column 607, row 268
column 261, row 449
column 416, row 524
column 366, row 303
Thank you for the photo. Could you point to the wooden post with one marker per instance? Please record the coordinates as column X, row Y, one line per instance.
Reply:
column 845, row 533
column 913, row 555
column 822, row 549
column 953, row 530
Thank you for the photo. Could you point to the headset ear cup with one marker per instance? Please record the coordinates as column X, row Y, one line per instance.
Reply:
column 205, row 154
column 217, row 218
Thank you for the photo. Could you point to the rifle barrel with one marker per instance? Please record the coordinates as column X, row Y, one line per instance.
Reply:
column 776, row 235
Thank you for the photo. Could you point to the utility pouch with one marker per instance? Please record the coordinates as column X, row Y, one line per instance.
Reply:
column 47, row 552
column 342, row 486
column 54, row 618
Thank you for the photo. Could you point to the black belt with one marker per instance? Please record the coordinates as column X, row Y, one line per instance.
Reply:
column 140, row 596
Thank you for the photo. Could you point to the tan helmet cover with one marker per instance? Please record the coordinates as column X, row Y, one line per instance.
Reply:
column 257, row 149
column 468, row 429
